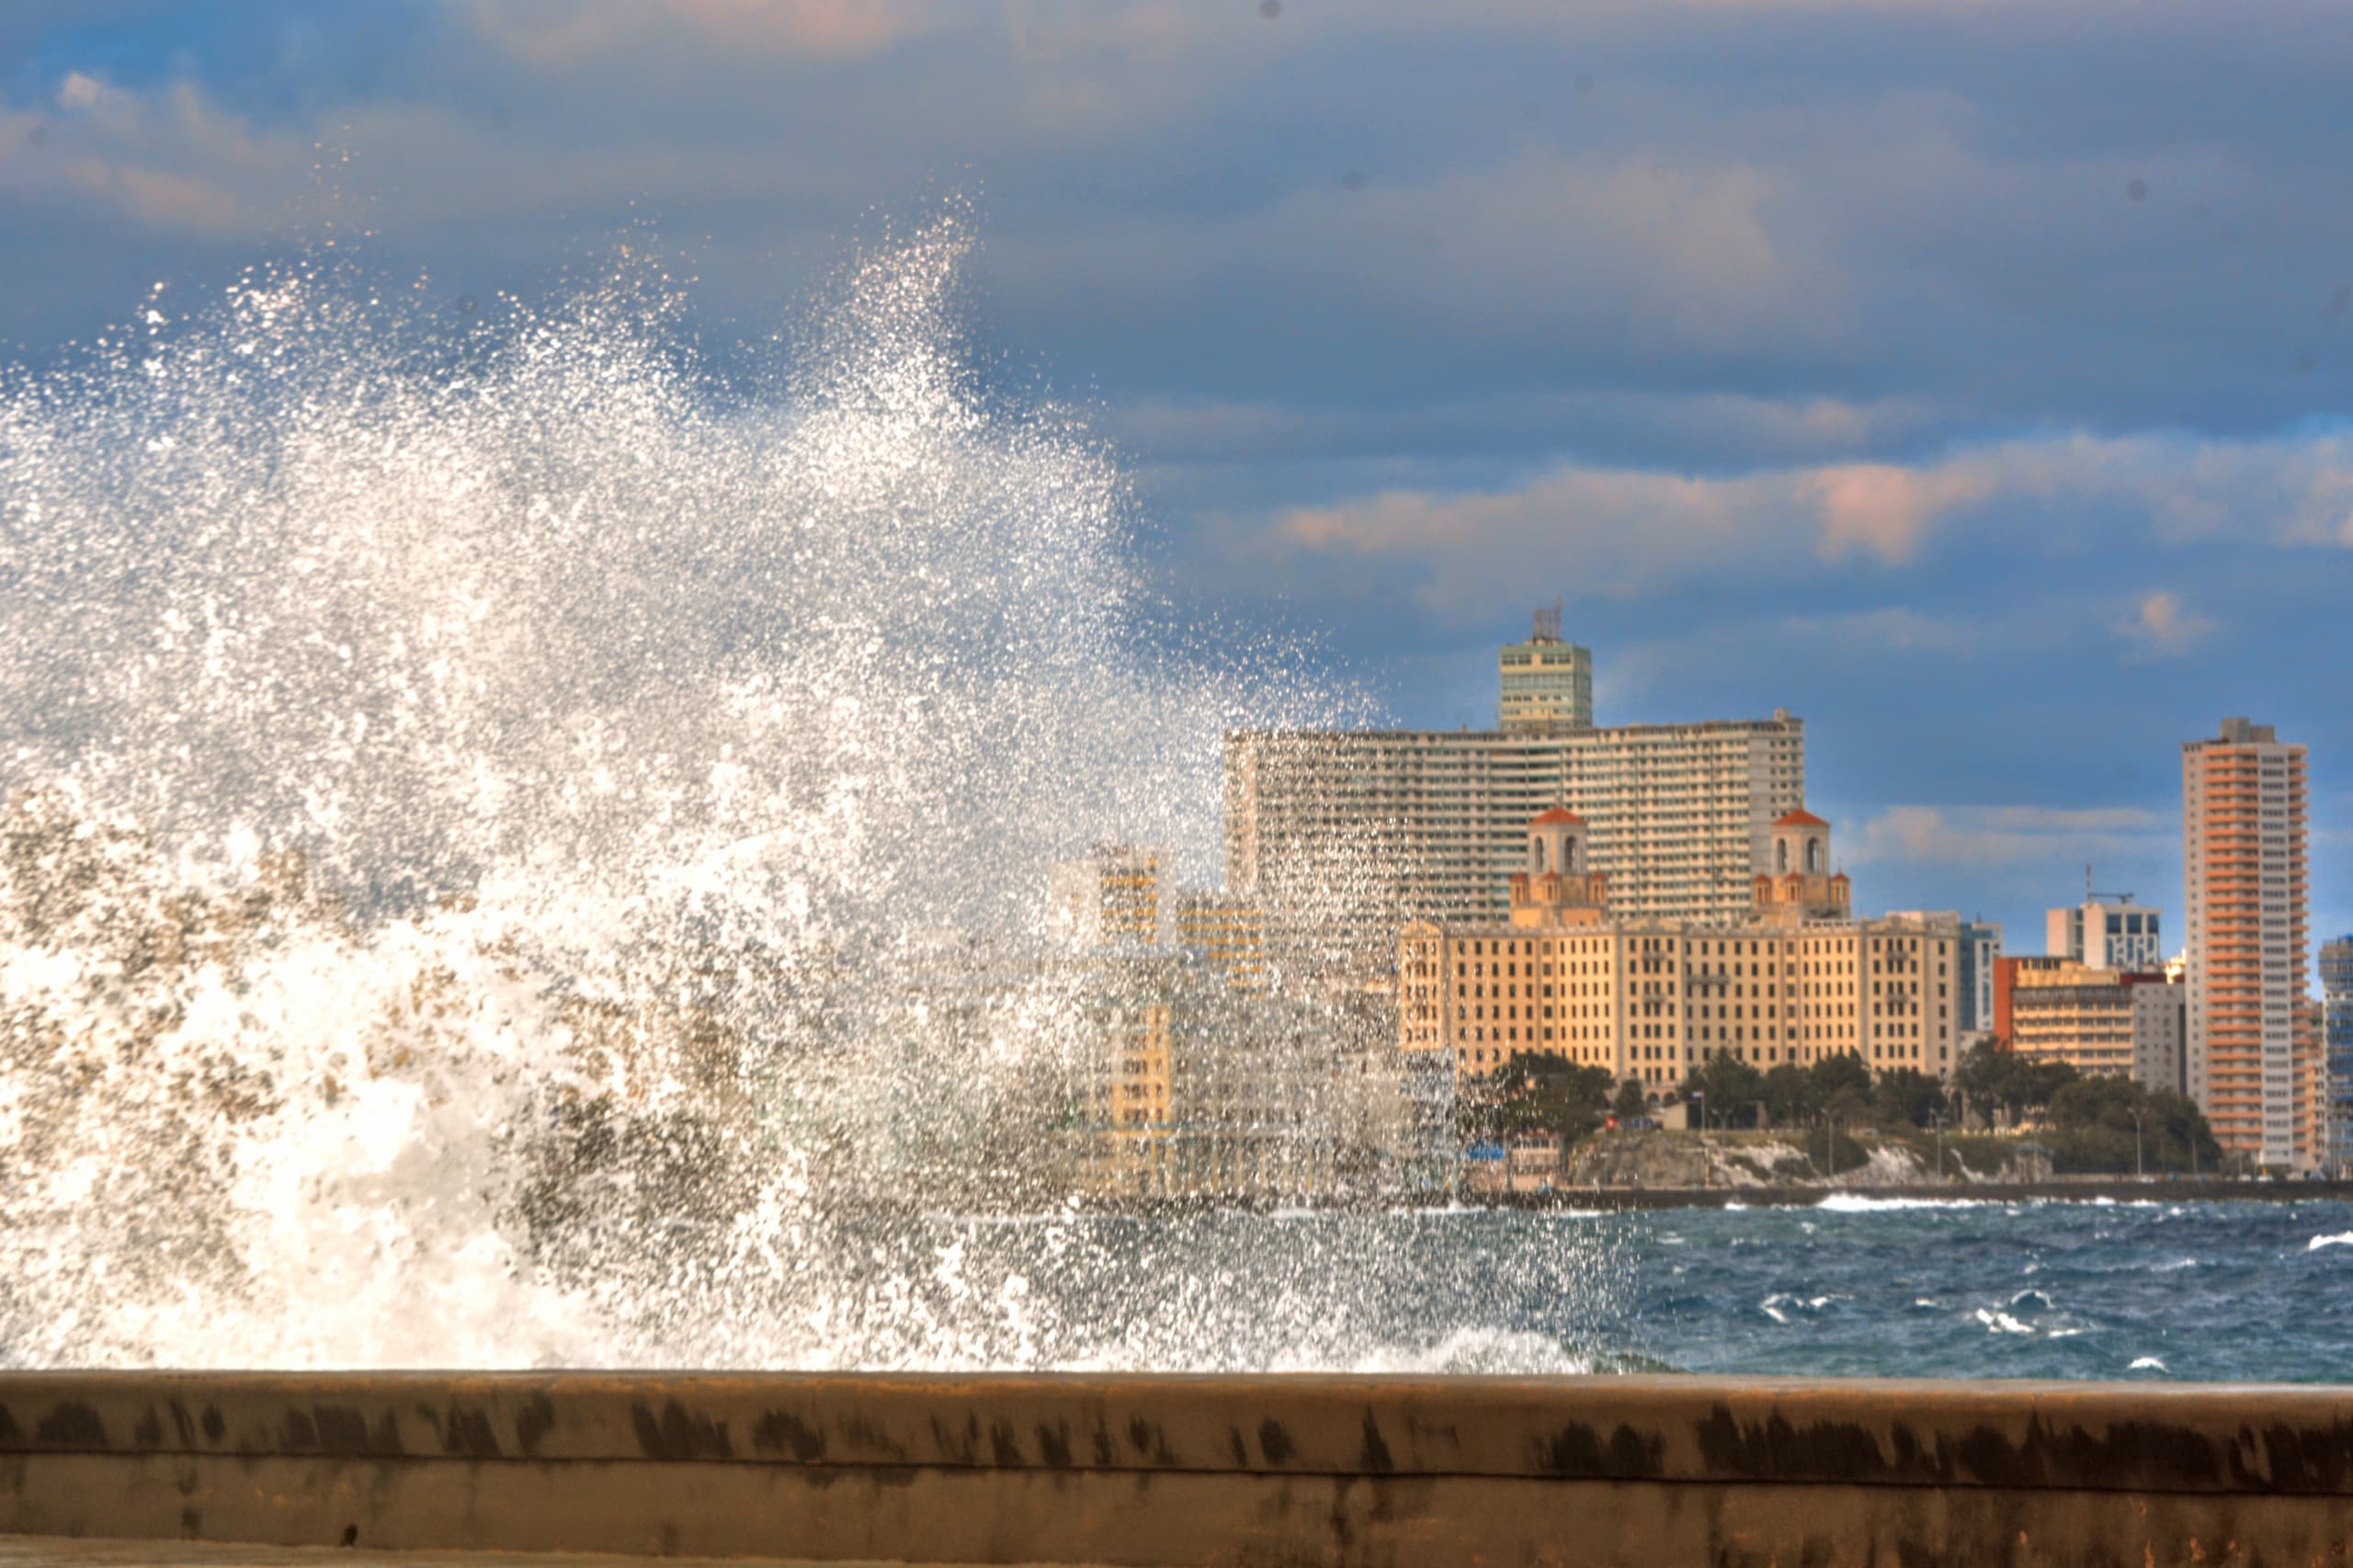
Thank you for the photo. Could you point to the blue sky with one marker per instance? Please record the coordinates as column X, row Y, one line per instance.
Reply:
column 1967, row 377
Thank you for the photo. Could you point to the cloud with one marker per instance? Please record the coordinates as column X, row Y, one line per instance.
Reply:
column 168, row 159
column 1622, row 532
column 1718, row 424
column 1540, row 246
column 559, row 35
column 1884, row 510
column 1896, row 627
column 1959, row 837
column 2159, row 627
column 1619, row 532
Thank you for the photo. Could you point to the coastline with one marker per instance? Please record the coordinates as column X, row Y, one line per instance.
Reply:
column 1615, row 1199
column 2098, row 1189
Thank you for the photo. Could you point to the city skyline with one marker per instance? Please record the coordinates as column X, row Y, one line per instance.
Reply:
column 2028, row 842
column 1826, row 357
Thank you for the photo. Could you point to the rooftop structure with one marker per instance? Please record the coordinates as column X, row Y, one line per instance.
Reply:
column 2105, row 931
column 1546, row 682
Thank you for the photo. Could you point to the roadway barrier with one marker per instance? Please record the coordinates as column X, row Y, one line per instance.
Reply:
column 1283, row 1470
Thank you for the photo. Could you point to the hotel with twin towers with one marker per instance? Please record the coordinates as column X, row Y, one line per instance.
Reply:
column 1342, row 836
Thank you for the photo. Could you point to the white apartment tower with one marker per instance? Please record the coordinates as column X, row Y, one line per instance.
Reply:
column 1341, row 836
column 2105, row 931
column 2243, row 827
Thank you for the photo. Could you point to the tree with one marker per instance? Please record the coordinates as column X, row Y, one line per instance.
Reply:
column 1630, row 1102
column 1545, row 1092
column 2180, row 1129
column 1991, row 1074
column 1789, row 1096
column 1906, row 1093
column 1843, row 1072
column 2114, row 1124
column 1982, row 1077
column 1728, row 1087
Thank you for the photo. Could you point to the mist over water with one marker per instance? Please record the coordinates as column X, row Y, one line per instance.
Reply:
column 478, row 793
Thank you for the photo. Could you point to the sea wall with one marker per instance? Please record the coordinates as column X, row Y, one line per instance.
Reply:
column 1289, row 1470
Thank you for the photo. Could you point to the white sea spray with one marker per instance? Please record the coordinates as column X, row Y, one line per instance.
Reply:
column 489, row 806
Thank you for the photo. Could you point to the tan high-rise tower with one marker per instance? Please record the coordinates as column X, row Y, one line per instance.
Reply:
column 2244, row 885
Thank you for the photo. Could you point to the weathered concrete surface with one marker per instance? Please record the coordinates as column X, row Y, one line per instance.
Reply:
column 1145, row 1471
column 57, row 1551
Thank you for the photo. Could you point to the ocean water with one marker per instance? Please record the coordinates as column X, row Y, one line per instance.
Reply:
column 2249, row 1291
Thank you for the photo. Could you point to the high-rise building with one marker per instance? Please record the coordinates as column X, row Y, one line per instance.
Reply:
column 2244, row 893
column 1191, row 1088
column 2105, row 931
column 1342, row 836
column 1230, row 934
column 2337, row 1026
column 2098, row 1021
column 1981, row 949
column 1796, row 980
column 1110, row 896
column 1546, row 682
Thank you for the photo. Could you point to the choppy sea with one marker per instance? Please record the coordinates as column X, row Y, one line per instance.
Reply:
column 2216, row 1291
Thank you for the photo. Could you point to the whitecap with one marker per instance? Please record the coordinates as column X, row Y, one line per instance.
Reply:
column 2147, row 1364
column 2001, row 1323
column 2342, row 1239
column 1857, row 1203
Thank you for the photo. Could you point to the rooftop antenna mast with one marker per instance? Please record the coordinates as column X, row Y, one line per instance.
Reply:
column 1547, row 624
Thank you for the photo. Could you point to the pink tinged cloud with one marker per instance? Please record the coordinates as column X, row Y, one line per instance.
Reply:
column 1623, row 531
column 2160, row 627
column 550, row 36
column 1884, row 510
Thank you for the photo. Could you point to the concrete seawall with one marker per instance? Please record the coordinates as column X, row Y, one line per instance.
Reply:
column 1187, row 1469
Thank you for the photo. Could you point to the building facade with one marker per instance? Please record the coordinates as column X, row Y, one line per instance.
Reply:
column 1546, row 682
column 2102, row 1022
column 1981, row 949
column 1112, row 895
column 1229, row 934
column 2337, row 1046
column 1191, row 1088
column 2336, row 1033
column 2106, row 933
column 1342, row 836
column 1796, row 980
column 2243, row 897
